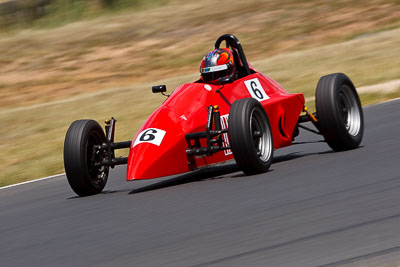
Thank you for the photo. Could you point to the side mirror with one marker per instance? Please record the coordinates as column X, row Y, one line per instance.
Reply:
column 159, row 89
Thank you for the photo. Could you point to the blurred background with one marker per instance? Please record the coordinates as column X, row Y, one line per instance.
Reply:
column 62, row 60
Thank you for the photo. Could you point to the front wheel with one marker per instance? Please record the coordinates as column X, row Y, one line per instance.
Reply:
column 82, row 157
column 250, row 136
column 340, row 115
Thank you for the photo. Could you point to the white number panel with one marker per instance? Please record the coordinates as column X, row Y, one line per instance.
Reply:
column 256, row 90
column 150, row 135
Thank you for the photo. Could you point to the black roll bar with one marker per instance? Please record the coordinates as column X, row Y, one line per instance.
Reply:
column 232, row 41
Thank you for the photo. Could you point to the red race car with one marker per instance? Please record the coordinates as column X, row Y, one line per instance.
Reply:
column 231, row 112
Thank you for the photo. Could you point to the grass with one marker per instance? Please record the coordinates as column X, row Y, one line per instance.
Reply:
column 32, row 137
column 102, row 67
column 128, row 47
column 377, row 97
column 367, row 61
column 60, row 12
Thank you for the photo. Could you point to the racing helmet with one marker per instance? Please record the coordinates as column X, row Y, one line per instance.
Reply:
column 217, row 66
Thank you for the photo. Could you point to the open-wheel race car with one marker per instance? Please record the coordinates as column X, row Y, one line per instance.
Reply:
column 231, row 112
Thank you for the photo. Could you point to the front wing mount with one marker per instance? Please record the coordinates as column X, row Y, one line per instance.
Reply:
column 213, row 137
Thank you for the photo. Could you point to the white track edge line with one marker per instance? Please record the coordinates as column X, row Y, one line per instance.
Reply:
column 32, row 181
column 56, row 175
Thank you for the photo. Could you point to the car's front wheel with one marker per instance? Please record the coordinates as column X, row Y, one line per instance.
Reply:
column 250, row 136
column 82, row 157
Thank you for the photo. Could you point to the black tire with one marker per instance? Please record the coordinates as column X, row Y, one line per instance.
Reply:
column 252, row 151
column 339, row 111
column 84, row 178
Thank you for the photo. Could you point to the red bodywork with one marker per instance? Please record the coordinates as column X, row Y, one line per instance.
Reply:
column 159, row 148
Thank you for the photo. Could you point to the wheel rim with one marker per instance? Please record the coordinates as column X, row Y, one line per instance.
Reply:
column 261, row 134
column 349, row 110
column 98, row 174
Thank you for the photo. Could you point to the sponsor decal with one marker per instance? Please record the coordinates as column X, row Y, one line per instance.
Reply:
column 207, row 87
column 214, row 68
column 224, row 125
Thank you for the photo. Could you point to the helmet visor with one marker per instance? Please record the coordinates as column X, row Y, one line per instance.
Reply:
column 213, row 73
column 212, row 76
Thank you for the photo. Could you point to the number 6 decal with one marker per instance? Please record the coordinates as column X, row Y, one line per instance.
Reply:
column 256, row 90
column 150, row 135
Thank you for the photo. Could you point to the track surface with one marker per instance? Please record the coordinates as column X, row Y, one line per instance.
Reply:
column 314, row 208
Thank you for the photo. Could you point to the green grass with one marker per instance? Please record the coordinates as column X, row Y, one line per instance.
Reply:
column 61, row 12
column 378, row 97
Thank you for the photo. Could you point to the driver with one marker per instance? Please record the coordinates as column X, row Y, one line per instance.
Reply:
column 217, row 67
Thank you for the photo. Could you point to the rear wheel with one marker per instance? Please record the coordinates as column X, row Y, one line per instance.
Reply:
column 81, row 155
column 250, row 136
column 340, row 115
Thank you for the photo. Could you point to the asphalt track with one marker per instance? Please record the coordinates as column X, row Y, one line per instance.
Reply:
column 314, row 208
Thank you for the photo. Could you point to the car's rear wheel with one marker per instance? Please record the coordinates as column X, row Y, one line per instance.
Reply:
column 339, row 111
column 82, row 157
column 250, row 136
